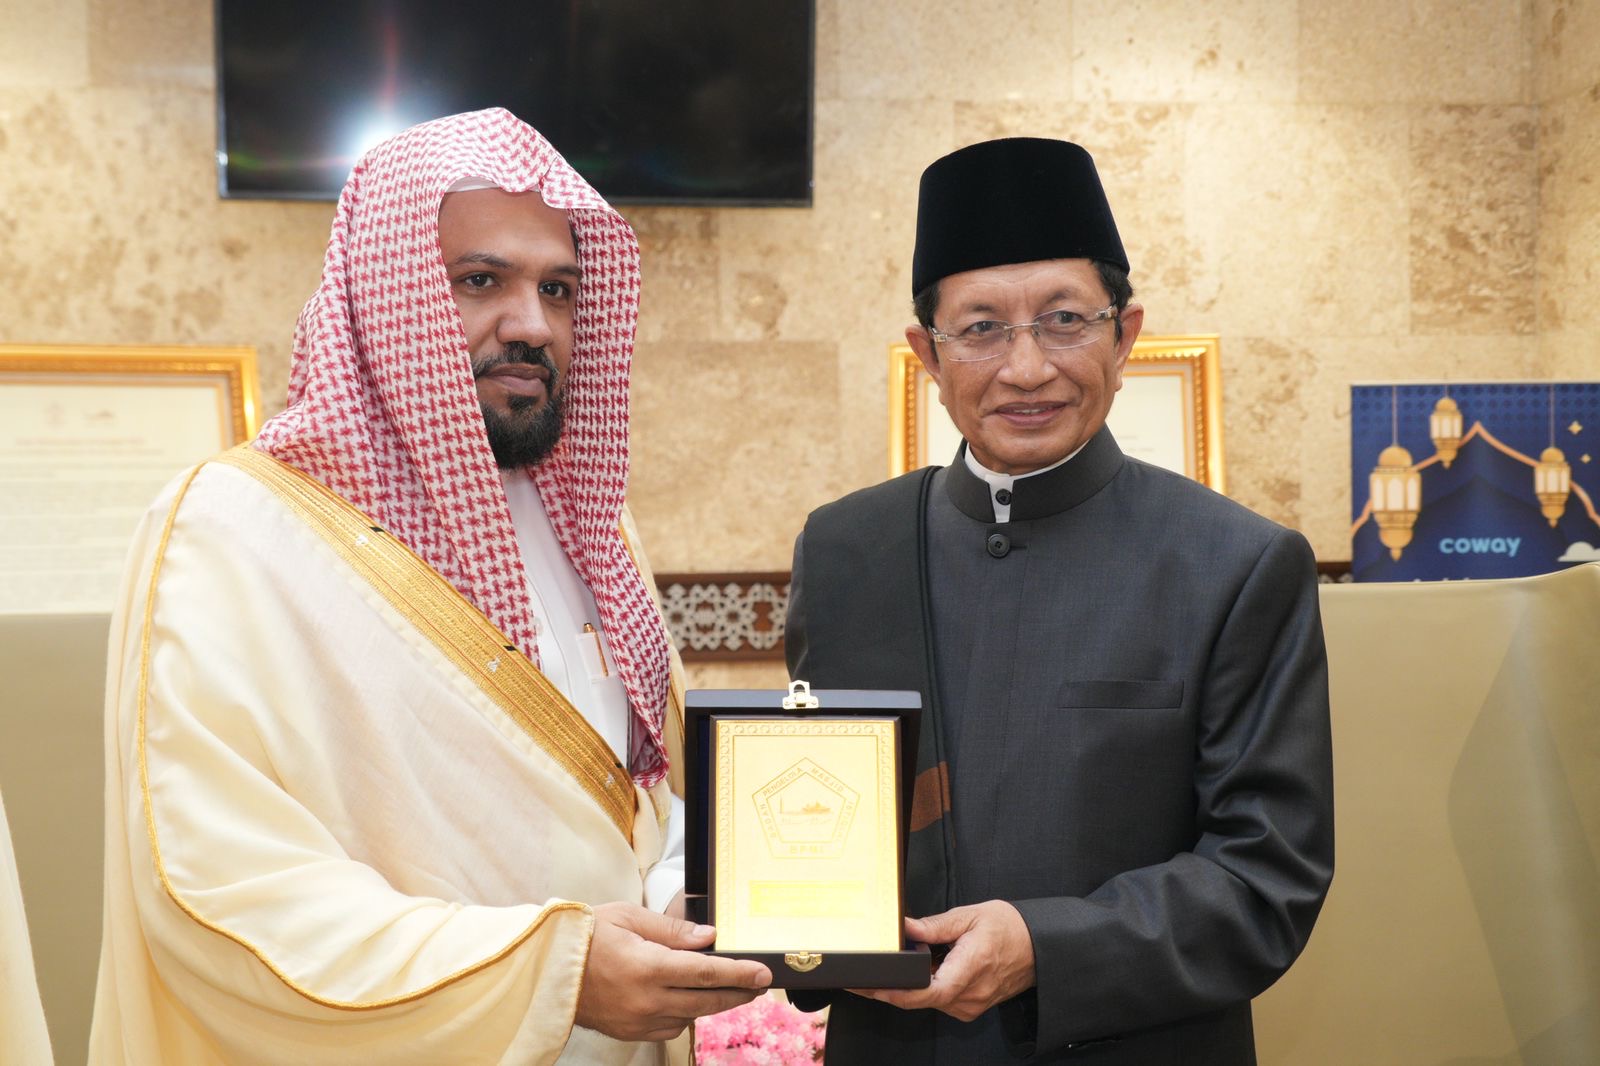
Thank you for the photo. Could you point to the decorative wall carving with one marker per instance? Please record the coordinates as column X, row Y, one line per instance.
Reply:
column 723, row 617
column 1334, row 573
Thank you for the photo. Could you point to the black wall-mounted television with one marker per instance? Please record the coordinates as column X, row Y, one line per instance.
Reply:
column 653, row 101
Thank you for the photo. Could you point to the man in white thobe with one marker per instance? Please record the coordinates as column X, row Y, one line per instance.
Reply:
column 389, row 701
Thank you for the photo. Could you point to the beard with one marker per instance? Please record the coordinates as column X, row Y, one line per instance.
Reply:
column 524, row 433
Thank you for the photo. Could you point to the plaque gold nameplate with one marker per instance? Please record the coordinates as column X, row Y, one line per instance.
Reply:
column 805, row 841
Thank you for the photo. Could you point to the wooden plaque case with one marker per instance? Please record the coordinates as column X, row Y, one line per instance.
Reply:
column 802, row 965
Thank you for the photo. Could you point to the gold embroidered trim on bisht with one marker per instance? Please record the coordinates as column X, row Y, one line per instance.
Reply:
column 155, row 841
column 457, row 628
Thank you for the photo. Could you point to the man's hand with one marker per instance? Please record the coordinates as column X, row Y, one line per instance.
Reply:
column 990, row 961
column 642, row 982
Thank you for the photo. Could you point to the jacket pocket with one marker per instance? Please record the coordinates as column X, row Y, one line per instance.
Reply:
column 1129, row 694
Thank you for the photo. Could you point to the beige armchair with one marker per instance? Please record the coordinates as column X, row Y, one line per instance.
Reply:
column 52, row 669
column 1463, row 926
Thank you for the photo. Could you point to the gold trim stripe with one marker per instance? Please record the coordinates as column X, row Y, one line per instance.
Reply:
column 155, row 841
column 468, row 639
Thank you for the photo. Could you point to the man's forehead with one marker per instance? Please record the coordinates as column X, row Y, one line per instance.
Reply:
column 471, row 192
column 493, row 214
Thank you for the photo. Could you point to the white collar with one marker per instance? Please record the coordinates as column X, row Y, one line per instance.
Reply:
column 999, row 483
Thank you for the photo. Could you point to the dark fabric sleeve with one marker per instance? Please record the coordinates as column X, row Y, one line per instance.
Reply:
column 1216, row 925
column 794, row 625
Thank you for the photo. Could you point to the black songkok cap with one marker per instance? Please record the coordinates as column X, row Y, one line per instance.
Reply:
column 1015, row 200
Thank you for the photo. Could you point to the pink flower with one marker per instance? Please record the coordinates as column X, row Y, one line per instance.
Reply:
column 763, row 1032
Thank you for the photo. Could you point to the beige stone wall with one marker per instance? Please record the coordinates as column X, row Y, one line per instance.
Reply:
column 1361, row 190
column 1567, row 89
column 111, row 231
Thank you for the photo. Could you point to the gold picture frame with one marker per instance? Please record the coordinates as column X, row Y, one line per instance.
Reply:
column 1169, row 411
column 88, row 436
column 227, row 371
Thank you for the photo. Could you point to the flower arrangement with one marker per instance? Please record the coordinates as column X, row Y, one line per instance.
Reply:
column 764, row 1032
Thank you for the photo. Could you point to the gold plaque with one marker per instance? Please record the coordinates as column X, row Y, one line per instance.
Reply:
column 805, row 841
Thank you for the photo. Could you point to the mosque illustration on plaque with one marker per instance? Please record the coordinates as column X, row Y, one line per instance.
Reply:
column 1473, row 480
column 806, row 811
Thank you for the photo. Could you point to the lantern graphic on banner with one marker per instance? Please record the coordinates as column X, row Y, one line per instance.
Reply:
column 1552, row 481
column 1552, row 476
column 1444, row 426
column 1396, row 489
column 1521, row 495
column 1396, row 498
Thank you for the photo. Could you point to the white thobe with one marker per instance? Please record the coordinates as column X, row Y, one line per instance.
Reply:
column 575, row 654
column 332, row 833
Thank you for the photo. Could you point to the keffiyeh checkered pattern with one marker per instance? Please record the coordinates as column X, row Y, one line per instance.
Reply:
column 383, row 410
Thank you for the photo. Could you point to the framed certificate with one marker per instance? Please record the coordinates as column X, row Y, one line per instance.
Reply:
column 88, row 436
column 1168, row 412
column 796, row 822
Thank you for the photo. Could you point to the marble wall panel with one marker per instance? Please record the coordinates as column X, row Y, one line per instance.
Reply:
column 1570, row 355
column 727, row 456
column 1159, row 51
column 115, row 234
column 1474, row 219
column 1566, row 39
column 680, row 289
column 954, row 50
column 1302, row 210
column 1132, row 144
column 1569, row 212
column 1263, row 417
column 840, row 273
column 151, row 42
column 825, row 71
column 44, row 43
column 837, row 263
column 1416, row 52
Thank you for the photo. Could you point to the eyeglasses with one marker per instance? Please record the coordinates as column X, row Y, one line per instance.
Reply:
column 1053, row 330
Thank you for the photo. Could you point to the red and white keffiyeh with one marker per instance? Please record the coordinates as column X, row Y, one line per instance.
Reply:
column 383, row 409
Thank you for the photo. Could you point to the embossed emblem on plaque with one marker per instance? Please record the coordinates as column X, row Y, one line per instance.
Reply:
column 806, row 811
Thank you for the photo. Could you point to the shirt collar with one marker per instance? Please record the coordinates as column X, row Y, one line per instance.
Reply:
column 1000, row 485
column 975, row 490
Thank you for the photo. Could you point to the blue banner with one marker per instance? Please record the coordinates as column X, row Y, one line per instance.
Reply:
column 1473, row 481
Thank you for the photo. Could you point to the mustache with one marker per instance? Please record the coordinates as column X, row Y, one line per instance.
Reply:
column 513, row 354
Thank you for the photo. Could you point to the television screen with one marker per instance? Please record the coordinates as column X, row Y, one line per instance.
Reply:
column 653, row 101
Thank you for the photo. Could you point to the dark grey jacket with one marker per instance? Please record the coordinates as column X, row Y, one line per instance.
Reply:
column 1129, row 690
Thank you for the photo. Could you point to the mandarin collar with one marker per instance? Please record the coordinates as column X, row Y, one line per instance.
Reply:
column 1036, row 496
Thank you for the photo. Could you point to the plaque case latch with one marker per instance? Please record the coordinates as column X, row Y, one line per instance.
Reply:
column 803, row 961
column 800, row 699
